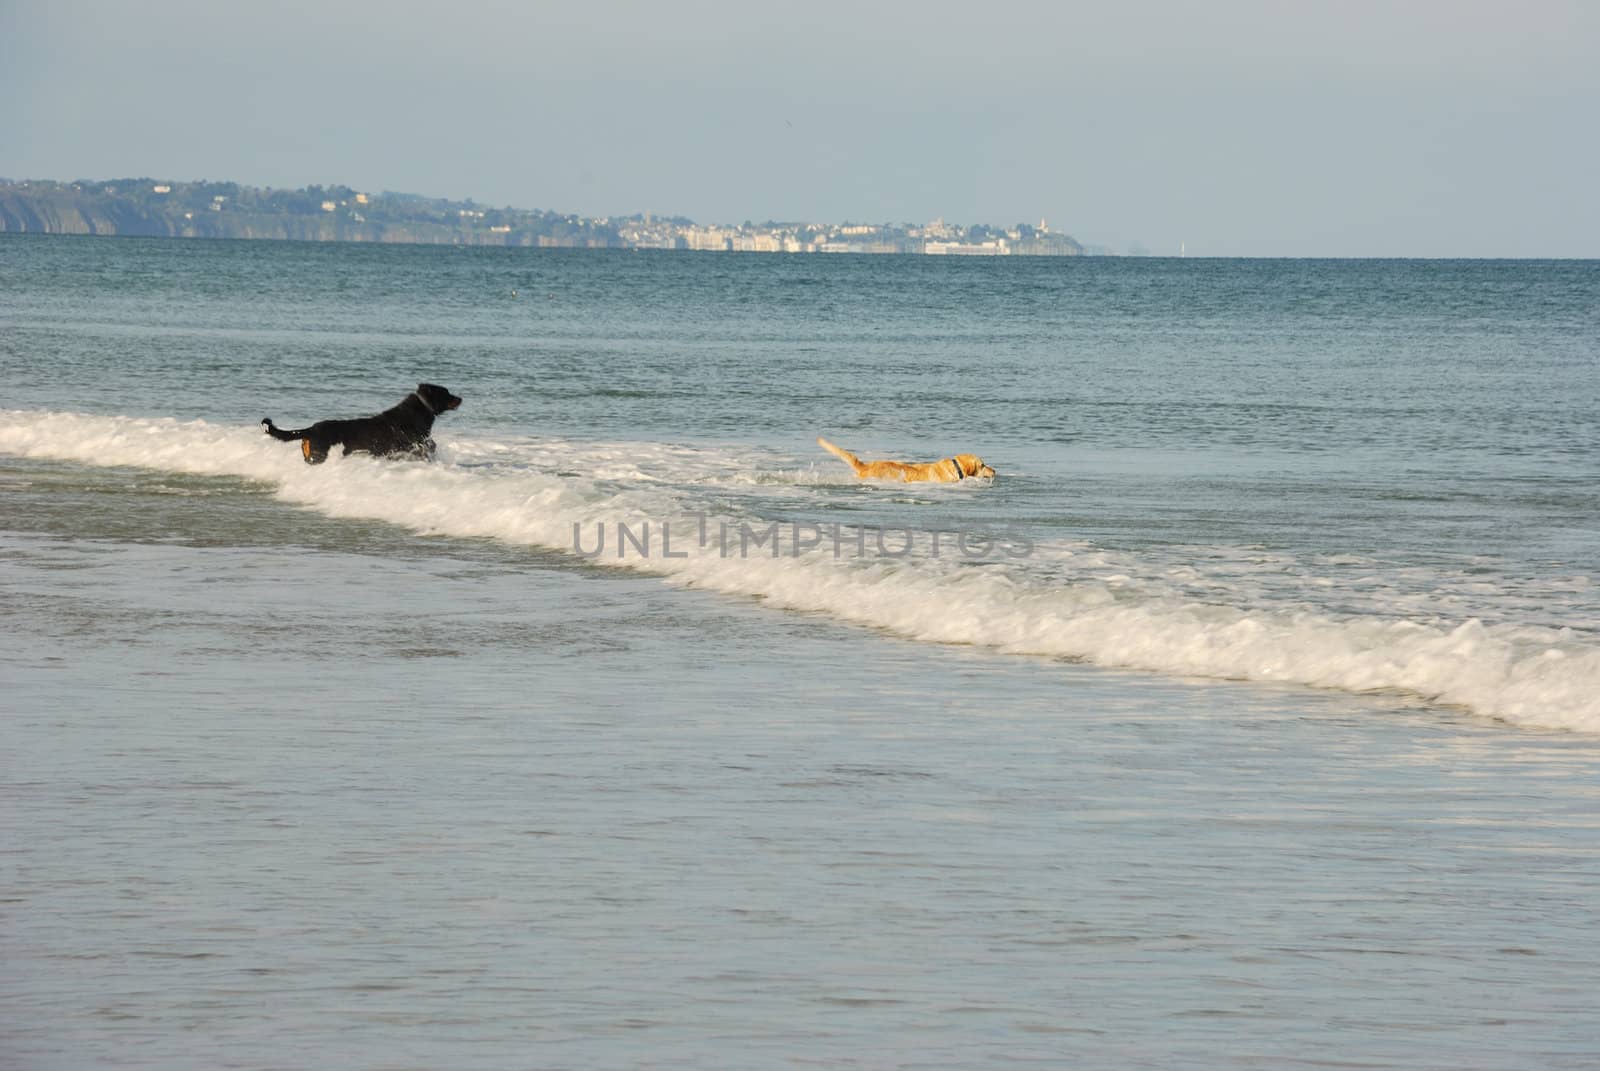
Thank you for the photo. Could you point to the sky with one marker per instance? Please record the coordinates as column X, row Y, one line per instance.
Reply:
column 1223, row 128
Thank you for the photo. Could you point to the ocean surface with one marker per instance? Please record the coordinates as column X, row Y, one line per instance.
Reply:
column 1250, row 718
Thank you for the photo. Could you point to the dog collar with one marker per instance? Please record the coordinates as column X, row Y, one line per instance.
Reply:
column 959, row 474
column 418, row 396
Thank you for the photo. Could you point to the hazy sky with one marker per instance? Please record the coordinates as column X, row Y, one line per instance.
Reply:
column 1237, row 127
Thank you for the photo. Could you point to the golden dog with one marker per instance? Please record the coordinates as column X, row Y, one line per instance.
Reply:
column 950, row 470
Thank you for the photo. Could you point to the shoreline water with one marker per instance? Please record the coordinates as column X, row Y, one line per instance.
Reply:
column 539, row 825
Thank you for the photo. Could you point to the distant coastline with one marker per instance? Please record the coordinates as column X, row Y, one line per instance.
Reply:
column 156, row 208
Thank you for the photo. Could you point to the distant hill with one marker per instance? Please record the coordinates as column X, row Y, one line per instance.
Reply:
column 153, row 207
column 158, row 208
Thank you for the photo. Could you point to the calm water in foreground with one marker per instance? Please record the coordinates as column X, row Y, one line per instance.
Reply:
column 1255, row 724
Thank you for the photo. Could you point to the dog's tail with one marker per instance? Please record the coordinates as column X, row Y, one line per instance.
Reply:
column 281, row 435
column 841, row 453
column 314, row 454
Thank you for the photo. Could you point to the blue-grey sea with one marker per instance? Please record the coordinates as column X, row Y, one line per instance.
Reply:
column 1249, row 718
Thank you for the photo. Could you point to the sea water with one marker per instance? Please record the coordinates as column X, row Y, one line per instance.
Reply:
column 1249, row 718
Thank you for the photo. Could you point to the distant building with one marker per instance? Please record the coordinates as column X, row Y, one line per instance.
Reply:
column 757, row 243
column 708, row 239
column 157, row 189
column 999, row 247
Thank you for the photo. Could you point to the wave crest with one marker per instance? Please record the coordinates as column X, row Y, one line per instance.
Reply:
column 527, row 493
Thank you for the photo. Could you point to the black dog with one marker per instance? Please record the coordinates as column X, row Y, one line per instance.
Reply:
column 401, row 430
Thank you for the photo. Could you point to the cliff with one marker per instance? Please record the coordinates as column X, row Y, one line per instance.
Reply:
column 146, row 207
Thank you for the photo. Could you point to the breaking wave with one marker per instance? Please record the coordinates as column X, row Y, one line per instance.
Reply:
column 563, row 496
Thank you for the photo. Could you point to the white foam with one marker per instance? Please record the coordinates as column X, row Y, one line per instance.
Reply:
column 1071, row 602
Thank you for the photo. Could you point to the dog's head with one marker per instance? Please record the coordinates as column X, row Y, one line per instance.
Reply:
column 436, row 397
column 972, row 465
